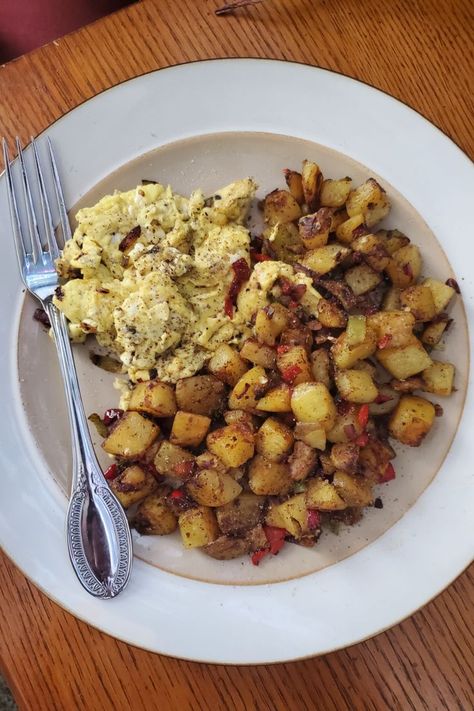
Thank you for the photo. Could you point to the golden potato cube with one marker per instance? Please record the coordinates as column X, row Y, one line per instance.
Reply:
column 233, row 444
column 411, row 420
column 314, row 229
column 198, row 527
column 280, row 206
column 154, row 517
column 274, row 440
column 189, row 429
column 330, row 315
column 201, row 394
column 294, row 365
column 292, row 515
column 441, row 293
column 276, row 400
column 393, row 239
column 132, row 485
column 258, row 353
column 345, row 355
column 212, row 487
column 334, row 193
column 354, row 490
column 345, row 428
column 404, row 361
column 395, row 328
column 372, row 247
column 345, row 230
column 227, row 365
column 294, row 182
column 311, row 178
column 324, row 259
column 131, row 436
column 270, row 322
column 312, row 402
column 434, row 332
column 369, row 200
column 247, row 391
column 322, row 495
column 320, row 366
column 154, row 397
column 362, row 279
column 269, row 478
column 439, row 378
column 391, row 300
column 311, row 433
column 418, row 299
column 356, row 386
column 404, row 267
column 168, row 457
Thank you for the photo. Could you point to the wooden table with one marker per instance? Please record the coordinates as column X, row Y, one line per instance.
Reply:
column 416, row 51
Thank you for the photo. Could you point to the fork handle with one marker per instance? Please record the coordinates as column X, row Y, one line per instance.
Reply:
column 98, row 533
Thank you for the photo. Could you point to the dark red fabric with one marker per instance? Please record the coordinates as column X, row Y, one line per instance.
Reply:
column 27, row 24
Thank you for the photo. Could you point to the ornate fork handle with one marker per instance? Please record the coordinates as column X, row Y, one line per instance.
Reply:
column 98, row 533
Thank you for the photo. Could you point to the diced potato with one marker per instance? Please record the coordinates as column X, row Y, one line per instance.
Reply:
column 270, row 322
column 322, row 495
column 356, row 330
column 132, row 485
column 314, row 228
column 274, row 440
column 369, row 200
column 311, row 433
column 324, row 259
column 241, row 514
column 372, row 247
column 198, row 527
column 334, row 193
column 330, row 314
column 201, row 394
column 154, row 397
column 211, row 487
column 285, row 241
column 356, row 386
column 227, row 365
column 131, row 436
column 383, row 408
column 345, row 231
column 294, row 365
column 189, row 429
column 439, row 378
column 338, row 217
column 419, row 301
column 394, row 240
column 276, row 400
column 391, row 300
column 365, row 366
column 247, row 391
column 320, row 366
column 345, row 456
column 241, row 417
column 354, row 490
column 269, row 478
column 258, row 353
column 295, row 185
column 406, row 360
column 292, row 515
column 404, row 267
column 312, row 179
column 434, row 332
column 411, row 420
column 345, row 355
column 312, row 402
column 280, row 206
column 441, row 293
column 154, row 517
column 362, row 279
column 346, row 427
column 168, row 457
column 233, row 444
column 393, row 327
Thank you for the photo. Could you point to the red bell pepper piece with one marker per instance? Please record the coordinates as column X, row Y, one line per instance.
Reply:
column 257, row 556
column 111, row 472
column 241, row 274
column 275, row 537
column 363, row 439
column 290, row 373
column 314, row 519
column 363, row 416
column 388, row 474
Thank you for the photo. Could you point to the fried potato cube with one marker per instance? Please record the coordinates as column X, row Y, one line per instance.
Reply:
column 324, row 259
column 322, row 495
column 258, row 353
column 233, row 444
column 441, row 293
column 354, row 490
column 345, row 355
column 334, row 193
column 270, row 322
column 241, row 514
column 406, row 360
column 311, row 433
column 294, row 182
column 314, row 229
column 345, row 456
column 391, row 300
column 132, row 485
column 294, row 365
column 268, row 478
column 356, row 386
column 372, row 248
column 320, row 366
column 247, row 391
column 201, row 394
column 274, row 440
column 330, row 314
column 404, row 267
column 276, row 400
column 312, row 179
column 312, row 402
column 434, row 332
column 345, row 231
column 168, row 457
column 356, row 330
column 369, row 200
column 418, row 299
column 198, row 527
column 393, row 327
column 439, row 378
column 394, row 240
column 280, row 206
column 131, row 436
column 362, row 279
column 153, row 397
column 411, row 420
column 285, row 241
column 154, row 517
column 189, row 429
column 212, row 487
column 292, row 515
column 345, row 428
column 227, row 365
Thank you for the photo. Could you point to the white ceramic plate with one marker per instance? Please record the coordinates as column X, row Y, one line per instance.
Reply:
column 205, row 124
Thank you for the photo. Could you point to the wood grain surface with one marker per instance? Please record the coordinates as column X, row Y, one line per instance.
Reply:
column 420, row 52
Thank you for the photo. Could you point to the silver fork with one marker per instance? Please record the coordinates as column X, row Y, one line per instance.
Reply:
column 98, row 533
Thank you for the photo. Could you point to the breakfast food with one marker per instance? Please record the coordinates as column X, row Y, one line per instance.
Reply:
column 267, row 372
